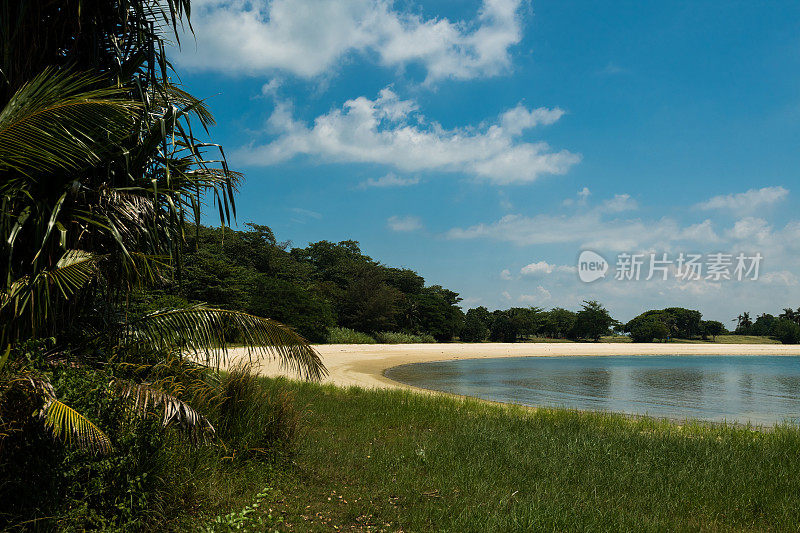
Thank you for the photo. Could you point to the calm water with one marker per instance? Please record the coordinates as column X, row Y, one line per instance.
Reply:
column 757, row 389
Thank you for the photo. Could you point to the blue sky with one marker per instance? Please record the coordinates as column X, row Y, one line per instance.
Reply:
column 486, row 144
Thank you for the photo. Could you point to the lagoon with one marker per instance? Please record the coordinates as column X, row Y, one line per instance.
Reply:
column 761, row 390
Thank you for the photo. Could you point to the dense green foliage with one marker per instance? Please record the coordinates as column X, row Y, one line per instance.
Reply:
column 785, row 327
column 101, row 173
column 322, row 286
column 153, row 479
column 591, row 322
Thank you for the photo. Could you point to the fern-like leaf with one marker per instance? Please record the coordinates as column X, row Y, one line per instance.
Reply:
column 175, row 411
column 203, row 330
column 69, row 425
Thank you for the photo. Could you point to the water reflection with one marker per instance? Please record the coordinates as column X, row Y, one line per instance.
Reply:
column 758, row 389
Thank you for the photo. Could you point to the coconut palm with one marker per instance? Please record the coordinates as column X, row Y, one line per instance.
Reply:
column 101, row 173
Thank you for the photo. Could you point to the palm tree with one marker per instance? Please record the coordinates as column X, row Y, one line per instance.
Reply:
column 101, row 173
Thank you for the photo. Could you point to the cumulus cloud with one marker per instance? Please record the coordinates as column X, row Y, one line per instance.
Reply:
column 542, row 295
column 506, row 274
column 389, row 180
column 543, row 267
column 311, row 37
column 404, row 223
column 750, row 229
column 746, row 201
column 620, row 202
column 583, row 196
column 389, row 130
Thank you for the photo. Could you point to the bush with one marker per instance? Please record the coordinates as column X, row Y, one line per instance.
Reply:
column 153, row 475
column 787, row 332
column 253, row 420
column 647, row 328
column 348, row 336
column 393, row 337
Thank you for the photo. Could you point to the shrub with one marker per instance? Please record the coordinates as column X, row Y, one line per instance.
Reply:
column 348, row 336
column 394, row 337
column 254, row 420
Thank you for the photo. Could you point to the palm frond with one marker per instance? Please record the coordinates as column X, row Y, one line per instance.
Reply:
column 61, row 121
column 64, row 422
column 203, row 330
column 176, row 412
column 67, row 424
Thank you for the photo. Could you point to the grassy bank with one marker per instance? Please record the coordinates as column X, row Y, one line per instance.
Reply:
column 304, row 457
column 395, row 460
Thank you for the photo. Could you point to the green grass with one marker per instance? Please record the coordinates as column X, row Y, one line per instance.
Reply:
column 392, row 337
column 304, row 457
column 396, row 460
column 348, row 336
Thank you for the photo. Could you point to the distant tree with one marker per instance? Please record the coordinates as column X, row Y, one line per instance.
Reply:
column 476, row 325
column 648, row 327
column 712, row 328
column 592, row 321
column 439, row 313
column 764, row 325
column 787, row 332
column 367, row 303
column 529, row 321
column 503, row 328
column 791, row 314
column 559, row 322
column 743, row 324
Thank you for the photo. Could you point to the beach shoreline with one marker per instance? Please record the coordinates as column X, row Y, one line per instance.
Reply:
column 364, row 365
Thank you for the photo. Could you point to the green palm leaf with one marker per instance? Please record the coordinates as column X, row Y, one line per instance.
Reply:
column 64, row 422
column 69, row 425
column 61, row 121
column 202, row 329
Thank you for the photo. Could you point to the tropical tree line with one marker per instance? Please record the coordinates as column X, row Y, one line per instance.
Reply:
column 315, row 288
column 785, row 326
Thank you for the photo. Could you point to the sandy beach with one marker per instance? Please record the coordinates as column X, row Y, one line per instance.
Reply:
column 363, row 365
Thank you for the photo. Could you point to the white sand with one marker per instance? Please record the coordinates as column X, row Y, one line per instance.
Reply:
column 363, row 364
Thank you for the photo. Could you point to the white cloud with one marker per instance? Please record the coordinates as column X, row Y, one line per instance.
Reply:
column 750, row 229
column 389, row 131
column 389, row 180
column 543, row 267
column 404, row 223
column 542, row 295
column 506, row 274
column 746, row 201
column 781, row 277
column 587, row 229
column 516, row 120
column 271, row 87
column 311, row 37
column 301, row 216
column 583, row 196
column 620, row 202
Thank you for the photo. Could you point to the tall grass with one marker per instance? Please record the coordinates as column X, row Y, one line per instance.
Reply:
column 348, row 336
column 414, row 462
column 392, row 337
